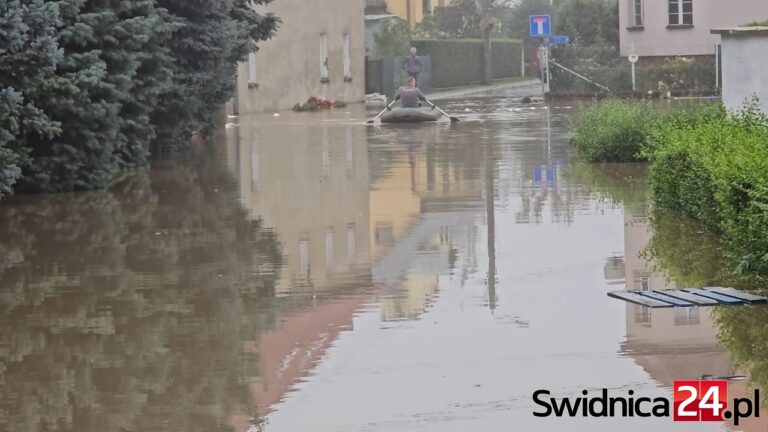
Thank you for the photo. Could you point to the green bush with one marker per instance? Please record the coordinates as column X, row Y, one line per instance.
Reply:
column 614, row 131
column 714, row 168
column 447, row 71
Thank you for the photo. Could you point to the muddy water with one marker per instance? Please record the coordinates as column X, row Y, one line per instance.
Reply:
column 312, row 273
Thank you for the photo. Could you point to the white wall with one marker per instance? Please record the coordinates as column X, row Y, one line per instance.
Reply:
column 655, row 39
column 745, row 62
column 287, row 66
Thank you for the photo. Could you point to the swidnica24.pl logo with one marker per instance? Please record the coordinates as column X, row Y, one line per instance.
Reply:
column 692, row 401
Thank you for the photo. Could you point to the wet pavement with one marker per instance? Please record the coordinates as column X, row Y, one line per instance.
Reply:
column 315, row 273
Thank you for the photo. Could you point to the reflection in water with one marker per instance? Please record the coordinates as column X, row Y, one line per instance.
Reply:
column 670, row 252
column 461, row 256
column 129, row 309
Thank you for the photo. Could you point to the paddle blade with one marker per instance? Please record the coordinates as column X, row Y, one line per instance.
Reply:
column 454, row 119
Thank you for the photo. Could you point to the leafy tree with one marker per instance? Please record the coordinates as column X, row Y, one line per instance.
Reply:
column 518, row 27
column 461, row 19
column 393, row 39
column 28, row 56
column 589, row 22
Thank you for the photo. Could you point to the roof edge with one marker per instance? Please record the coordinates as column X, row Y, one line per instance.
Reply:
column 745, row 31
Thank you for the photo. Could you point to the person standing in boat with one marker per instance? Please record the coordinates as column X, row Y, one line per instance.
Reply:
column 412, row 65
column 409, row 95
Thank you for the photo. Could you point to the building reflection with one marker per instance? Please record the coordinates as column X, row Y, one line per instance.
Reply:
column 672, row 343
column 423, row 209
column 310, row 184
column 354, row 209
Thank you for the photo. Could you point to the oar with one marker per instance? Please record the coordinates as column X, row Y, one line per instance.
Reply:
column 381, row 113
column 453, row 119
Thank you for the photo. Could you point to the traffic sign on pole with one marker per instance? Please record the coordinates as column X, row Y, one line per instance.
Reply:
column 559, row 40
column 541, row 25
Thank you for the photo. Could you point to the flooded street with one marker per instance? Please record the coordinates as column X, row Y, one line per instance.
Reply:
column 312, row 273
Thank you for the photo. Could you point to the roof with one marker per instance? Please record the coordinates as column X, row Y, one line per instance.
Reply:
column 741, row 31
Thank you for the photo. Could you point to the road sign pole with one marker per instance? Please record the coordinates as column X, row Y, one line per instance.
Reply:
column 632, row 60
column 541, row 69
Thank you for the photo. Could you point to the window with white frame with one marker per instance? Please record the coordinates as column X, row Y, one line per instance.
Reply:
column 346, row 48
column 351, row 244
column 637, row 12
column 304, row 255
column 252, row 70
column 323, row 56
column 255, row 173
column 329, row 266
column 680, row 12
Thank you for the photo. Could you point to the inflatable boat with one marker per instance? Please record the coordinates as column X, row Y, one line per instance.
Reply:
column 411, row 115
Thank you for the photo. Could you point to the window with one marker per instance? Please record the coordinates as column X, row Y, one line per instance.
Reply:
column 326, row 155
column 351, row 244
column 642, row 315
column 350, row 155
column 304, row 255
column 329, row 250
column 686, row 316
column 680, row 12
column 252, row 70
column 324, row 57
column 346, row 47
column 254, row 163
column 426, row 7
column 637, row 13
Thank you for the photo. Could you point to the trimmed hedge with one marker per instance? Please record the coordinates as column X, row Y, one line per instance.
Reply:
column 714, row 168
column 457, row 62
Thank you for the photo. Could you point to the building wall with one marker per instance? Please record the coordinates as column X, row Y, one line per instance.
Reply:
column 745, row 59
column 656, row 39
column 413, row 11
column 288, row 66
column 324, row 245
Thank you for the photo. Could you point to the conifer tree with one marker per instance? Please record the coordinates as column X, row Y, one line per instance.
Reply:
column 28, row 55
column 210, row 38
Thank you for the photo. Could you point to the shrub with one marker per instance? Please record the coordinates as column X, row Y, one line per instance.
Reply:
column 714, row 168
column 614, row 131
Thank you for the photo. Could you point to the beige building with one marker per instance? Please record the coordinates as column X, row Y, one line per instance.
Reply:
column 319, row 50
column 660, row 28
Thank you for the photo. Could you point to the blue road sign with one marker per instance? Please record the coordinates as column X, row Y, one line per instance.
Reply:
column 541, row 25
column 559, row 40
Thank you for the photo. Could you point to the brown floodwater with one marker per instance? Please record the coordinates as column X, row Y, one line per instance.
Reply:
column 312, row 273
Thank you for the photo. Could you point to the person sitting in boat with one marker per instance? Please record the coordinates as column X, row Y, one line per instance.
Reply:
column 409, row 95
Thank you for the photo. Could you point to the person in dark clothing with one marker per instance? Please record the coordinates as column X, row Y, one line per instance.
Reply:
column 412, row 65
column 410, row 96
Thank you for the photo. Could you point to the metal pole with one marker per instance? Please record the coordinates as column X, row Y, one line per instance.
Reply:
column 633, row 77
column 541, row 71
column 717, row 66
column 522, row 60
column 549, row 74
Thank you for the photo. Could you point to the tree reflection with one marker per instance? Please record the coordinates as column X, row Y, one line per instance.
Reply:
column 130, row 309
column 694, row 257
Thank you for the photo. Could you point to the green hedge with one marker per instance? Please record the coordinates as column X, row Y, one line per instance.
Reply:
column 614, row 131
column 714, row 168
column 458, row 62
